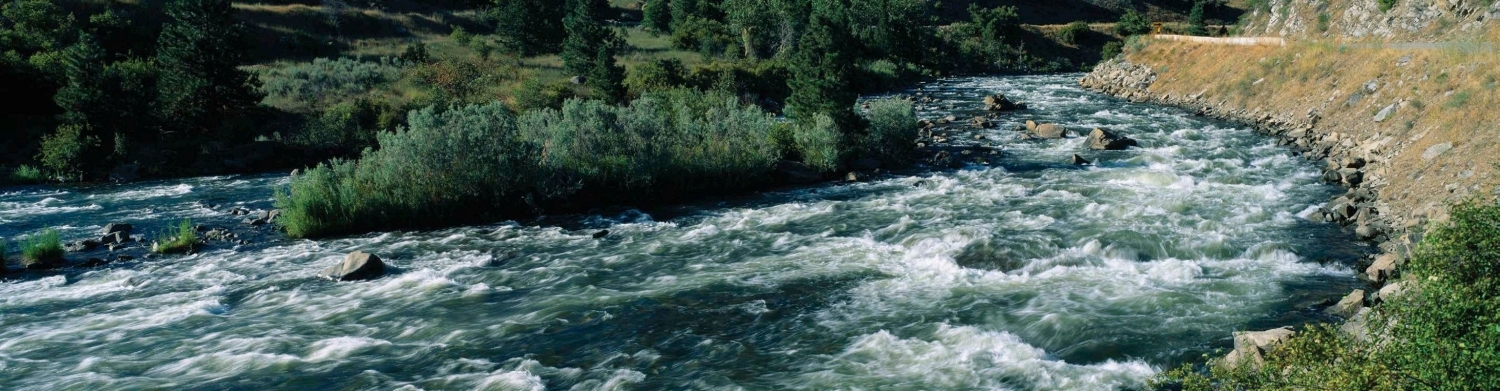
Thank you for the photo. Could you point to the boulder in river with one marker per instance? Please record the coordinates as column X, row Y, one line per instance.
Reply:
column 117, row 227
column 357, row 266
column 601, row 234
column 1104, row 140
column 1079, row 160
column 1384, row 267
column 1350, row 305
column 1048, row 131
column 999, row 102
column 1250, row 347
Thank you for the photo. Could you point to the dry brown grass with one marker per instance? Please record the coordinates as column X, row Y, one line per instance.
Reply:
column 1442, row 95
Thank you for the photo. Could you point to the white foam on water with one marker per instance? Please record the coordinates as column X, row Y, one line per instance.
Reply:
column 962, row 357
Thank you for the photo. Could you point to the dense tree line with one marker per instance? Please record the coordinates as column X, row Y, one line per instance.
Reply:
column 104, row 88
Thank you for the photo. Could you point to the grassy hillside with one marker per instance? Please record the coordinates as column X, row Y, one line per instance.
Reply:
column 1417, row 121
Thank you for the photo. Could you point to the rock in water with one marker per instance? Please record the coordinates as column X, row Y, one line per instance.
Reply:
column 1079, row 160
column 358, row 265
column 1349, row 306
column 1104, row 140
column 601, row 234
column 999, row 102
column 1049, row 131
column 117, row 227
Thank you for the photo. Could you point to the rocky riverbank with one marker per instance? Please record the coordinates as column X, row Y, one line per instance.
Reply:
column 1362, row 163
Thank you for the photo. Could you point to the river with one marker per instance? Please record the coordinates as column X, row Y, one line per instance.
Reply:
column 1031, row 274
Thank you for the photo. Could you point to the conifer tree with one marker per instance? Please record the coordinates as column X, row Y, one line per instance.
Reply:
column 658, row 15
column 1196, row 24
column 199, row 54
column 821, row 69
column 530, row 26
column 585, row 35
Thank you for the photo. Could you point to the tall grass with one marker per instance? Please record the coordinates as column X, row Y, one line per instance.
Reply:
column 183, row 240
column 27, row 174
column 42, row 248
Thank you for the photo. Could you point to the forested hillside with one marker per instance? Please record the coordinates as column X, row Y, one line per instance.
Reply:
column 127, row 89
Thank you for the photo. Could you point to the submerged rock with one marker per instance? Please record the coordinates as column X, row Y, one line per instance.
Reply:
column 999, row 102
column 1079, row 160
column 357, row 266
column 601, row 234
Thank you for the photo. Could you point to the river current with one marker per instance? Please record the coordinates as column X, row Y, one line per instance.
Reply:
column 1028, row 274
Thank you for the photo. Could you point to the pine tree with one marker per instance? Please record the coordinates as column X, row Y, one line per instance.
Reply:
column 529, row 26
column 1196, row 24
column 590, row 49
column 658, row 15
column 821, row 69
column 607, row 77
column 199, row 52
column 585, row 36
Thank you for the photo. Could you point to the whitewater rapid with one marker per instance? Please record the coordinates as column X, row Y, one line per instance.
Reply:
column 1031, row 274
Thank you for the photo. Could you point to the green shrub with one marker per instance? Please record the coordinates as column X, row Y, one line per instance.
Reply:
column 41, row 249
column 27, row 174
column 1442, row 332
column 893, row 125
column 1136, row 43
column 327, row 80
column 463, row 37
column 1323, row 21
column 480, row 163
column 416, row 53
column 1386, row 5
column 463, row 165
column 64, row 151
column 182, row 241
column 1073, row 32
column 1111, row 50
column 660, row 74
column 677, row 141
column 1133, row 23
column 1458, row 100
column 349, row 126
column 821, row 143
column 536, row 94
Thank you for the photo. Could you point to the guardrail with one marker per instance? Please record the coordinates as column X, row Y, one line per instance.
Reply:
column 1236, row 41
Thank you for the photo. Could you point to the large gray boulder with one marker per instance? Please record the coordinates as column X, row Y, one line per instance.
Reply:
column 1104, row 140
column 1350, row 305
column 1250, row 347
column 1384, row 267
column 999, row 102
column 358, row 265
column 117, row 227
column 1048, row 131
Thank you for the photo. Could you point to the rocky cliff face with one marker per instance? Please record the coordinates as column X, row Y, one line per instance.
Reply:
column 1408, row 20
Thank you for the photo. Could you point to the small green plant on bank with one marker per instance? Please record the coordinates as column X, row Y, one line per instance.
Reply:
column 27, row 174
column 1073, row 32
column 1386, row 5
column 1323, row 21
column 1458, row 100
column 181, row 241
column 1442, row 332
column 42, row 249
column 1111, row 50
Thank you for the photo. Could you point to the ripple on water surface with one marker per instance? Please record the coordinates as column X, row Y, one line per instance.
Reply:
column 1029, row 275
